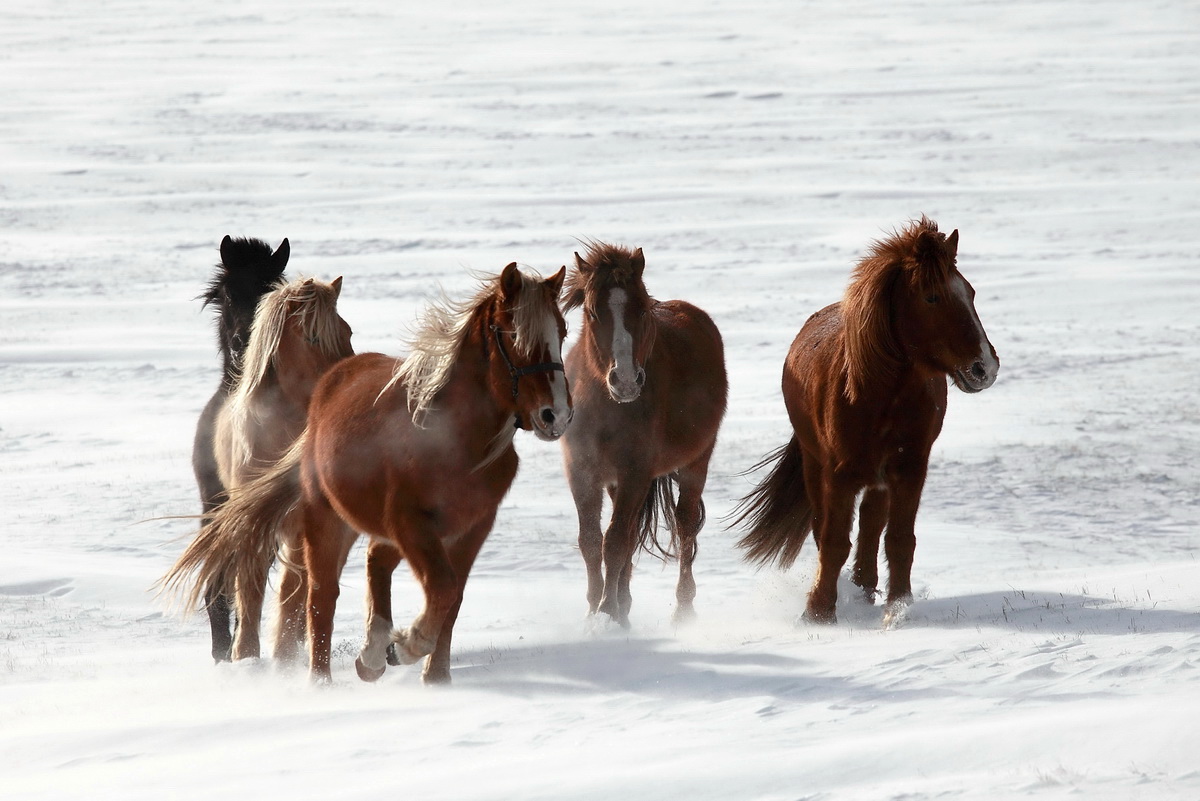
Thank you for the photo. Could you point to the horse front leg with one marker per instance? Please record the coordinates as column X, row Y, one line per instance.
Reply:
column 900, row 542
column 588, row 505
column 420, row 542
column 377, row 652
column 293, row 595
column 834, row 524
column 689, row 518
column 462, row 558
column 619, row 544
column 872, row 516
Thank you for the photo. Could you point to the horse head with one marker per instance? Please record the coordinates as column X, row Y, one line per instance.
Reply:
column 618, row 326
column 937, row 324
column 528, row 331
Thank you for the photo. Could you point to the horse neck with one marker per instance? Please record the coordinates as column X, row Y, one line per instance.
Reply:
column 234, row 327
column 477, row 392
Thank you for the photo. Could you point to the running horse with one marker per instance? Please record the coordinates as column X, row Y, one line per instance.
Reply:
column 297, row 335
column 650, row 390
column 247, row 271
column 865, row 389
column 416, row 453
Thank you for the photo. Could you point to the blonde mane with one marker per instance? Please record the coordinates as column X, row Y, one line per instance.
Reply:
column 442, row 328
column 915, row 254
column 314, row 304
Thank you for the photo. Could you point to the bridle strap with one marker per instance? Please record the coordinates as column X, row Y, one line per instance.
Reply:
column 518, row 372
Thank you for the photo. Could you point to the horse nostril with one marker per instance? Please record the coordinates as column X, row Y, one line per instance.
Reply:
column 612, row 376
column 548, row 416
column 640, row 378
column 978, row 371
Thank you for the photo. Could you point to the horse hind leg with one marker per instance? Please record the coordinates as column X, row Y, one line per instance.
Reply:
column 249, row 595
column 327, row 542
column 835, row 519
column 379, row 651
column 872, row 516
column 220, row 618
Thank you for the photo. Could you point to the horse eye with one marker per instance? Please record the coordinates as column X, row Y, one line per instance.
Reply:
column 591, row 313
column 931, row 298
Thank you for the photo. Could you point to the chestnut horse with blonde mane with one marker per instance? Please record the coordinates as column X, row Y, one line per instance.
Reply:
column 650, row 388
column 297, row 335
column 247, row 271
column 865, row 389
column 417, row 454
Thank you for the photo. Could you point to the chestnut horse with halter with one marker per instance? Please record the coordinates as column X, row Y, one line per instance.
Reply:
column 865, row 389
column 416, row 453
column 650, row 387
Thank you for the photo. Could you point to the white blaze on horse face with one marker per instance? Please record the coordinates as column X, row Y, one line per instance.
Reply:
column 987, row 357
column 558, row 379
column 622, row 377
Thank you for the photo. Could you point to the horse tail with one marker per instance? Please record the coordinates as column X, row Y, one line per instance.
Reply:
column 779, row 511
column 241, row 537
column 659, row 506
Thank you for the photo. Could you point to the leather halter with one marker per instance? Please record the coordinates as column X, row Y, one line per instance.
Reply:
column 517, row 372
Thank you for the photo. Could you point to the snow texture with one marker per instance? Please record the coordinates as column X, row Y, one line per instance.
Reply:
column 753, row 149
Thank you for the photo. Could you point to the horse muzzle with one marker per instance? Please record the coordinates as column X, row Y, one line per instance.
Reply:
column 978, row 376
column 550, row 424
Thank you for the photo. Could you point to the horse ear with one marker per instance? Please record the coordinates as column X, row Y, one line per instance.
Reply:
column 556, row 281
column 510, row 282
column 281, row 255
column 226, row 247
column 639, row 262
column 308, row 282
column 952, row 244
column 580, row 264
column 337, row 287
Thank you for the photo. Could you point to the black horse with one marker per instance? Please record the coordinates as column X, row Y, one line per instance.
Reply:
column 248, row 270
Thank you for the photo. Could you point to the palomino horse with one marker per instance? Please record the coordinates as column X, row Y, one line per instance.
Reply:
column 297, row 335
column 650, row 387
column 415, row 453
column 865, row 388
column 247, row 271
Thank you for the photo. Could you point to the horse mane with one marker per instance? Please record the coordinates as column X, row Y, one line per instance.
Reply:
column 314, row 304
column 444, row 325
column 915, row 254
column 248, row 269
column 604, row 266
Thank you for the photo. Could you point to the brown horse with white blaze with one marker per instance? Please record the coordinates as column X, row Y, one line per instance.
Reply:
column 865, row 389
column 417, row 454
column 650, row 390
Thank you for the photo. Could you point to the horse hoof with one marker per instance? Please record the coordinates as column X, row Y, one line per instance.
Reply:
column 820, row 618
column 366, row 673
column 684, row 615
column 393, row 658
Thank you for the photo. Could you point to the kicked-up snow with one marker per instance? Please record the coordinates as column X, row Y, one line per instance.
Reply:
column 753, row 149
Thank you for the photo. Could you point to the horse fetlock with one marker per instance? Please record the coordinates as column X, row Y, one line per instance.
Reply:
column 411, row 645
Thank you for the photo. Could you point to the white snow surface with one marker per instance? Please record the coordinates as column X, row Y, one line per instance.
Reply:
column 753, row 149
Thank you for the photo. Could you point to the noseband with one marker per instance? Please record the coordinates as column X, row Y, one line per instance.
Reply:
column 517, row 372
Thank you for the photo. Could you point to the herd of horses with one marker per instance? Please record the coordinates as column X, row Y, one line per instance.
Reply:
column 305, row 445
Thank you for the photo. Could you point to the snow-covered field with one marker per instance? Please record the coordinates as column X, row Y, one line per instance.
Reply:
column 753, row 149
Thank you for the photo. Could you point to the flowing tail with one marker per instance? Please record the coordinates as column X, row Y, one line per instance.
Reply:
column 779, row 511
column 659, row 506
column 241, row 538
